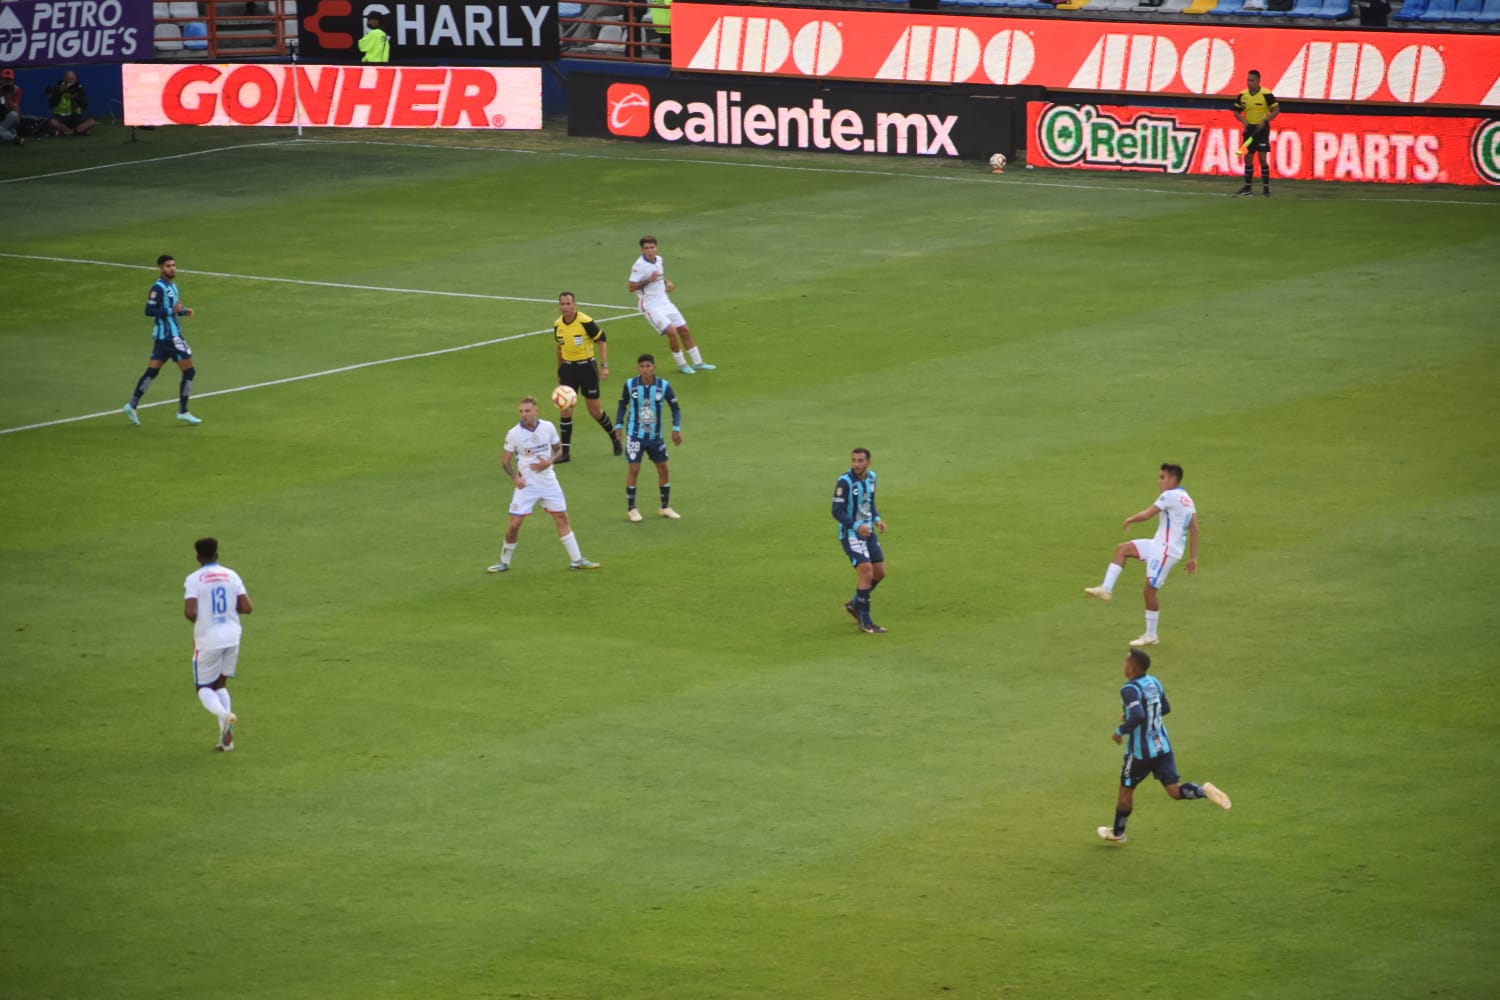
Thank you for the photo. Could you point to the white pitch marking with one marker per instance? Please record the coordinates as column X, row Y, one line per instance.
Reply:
column 303, row 281
column 309, row 375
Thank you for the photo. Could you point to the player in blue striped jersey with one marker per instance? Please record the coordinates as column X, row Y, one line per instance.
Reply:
column 859, row 521
column 640, row 425
column 164, row 306
column 1148, row 751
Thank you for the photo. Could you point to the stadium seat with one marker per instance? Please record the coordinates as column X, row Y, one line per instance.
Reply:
column 1437, row 10
column 161, row 11
column 1202, row 7
column 1489, row 13
column 168, row 37
column 1334, row 10
column 1465, row 11
column 1305, row 8
column 1410, row 10
column 183, row 11
column 1227, row 8
column 570, row 10
column 195, row 35
column 1073, row 5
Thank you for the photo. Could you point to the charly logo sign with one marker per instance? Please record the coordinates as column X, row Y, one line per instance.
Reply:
column 1086, row 135
column 1486, row 150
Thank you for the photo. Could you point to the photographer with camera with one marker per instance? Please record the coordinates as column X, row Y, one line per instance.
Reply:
column 10, row 108
column 69, row 106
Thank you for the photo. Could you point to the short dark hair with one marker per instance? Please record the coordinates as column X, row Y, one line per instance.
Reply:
column 861, row 451
column 647, row 239
column 568, row 294
column 1140, row 658
column 207, row 549
column 1172, row 470
column 645, row 357
column 163, row 259
column 1252, row 72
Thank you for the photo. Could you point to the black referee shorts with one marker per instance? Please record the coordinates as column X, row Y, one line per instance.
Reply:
column 580, row 376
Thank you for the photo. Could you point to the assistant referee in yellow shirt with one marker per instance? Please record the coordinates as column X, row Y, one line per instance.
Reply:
column 1254, row 109
column 578, row 338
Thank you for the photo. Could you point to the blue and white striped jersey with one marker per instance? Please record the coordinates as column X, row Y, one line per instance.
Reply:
column 640, row 409
column 854, row 503
column 161, row 305
column 1145, row 702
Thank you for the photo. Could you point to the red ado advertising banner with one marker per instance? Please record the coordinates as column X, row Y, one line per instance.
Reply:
column 339, row 96
column 1396, row 149
column 1339, row 65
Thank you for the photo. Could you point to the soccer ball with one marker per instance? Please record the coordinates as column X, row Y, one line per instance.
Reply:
column 997, row 162
column 563, row 397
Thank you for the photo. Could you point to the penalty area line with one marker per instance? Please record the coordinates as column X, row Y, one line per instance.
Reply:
column 305, row 377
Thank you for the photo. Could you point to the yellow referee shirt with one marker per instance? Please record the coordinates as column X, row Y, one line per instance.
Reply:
column 1255, row 107
column 576, row 340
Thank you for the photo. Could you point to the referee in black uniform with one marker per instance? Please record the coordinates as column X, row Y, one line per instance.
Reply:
column 578, row 337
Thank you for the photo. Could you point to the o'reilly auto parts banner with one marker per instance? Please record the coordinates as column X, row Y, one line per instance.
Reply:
column 1148, row 57
column 431, row 30
column 1396, row 149
column 62, row 32
column 340, row 96
column 786, row 116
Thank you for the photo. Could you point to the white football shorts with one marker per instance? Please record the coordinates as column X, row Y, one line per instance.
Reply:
column 1158, row 564
column 211, row 664
column 550, row 495
column 663, row 318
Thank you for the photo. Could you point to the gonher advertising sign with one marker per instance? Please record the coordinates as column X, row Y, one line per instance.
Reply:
column 767, row 115
column 1398, row 67
column 339, row 96
column 443, row 30
column 1395, row 149
column 61, row 32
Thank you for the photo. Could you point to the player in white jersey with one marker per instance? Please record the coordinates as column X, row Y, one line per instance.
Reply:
column 648, row 279
column 1176, row 530
column 214, row 597
column 531, row 448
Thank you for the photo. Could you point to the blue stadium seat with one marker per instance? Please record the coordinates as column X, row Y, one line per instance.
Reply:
column 1466, row 10
column 1489, row 14
column 1305, row 8
column 1410, row 10
column 570, row 10
column 1334, row 10
column 195, row 35
column 1228, row 8
column 1437, row 10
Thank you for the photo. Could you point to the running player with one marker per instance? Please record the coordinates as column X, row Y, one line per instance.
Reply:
column 648, row 279
column 164, row 305
column 214, row 597
column 859, row 521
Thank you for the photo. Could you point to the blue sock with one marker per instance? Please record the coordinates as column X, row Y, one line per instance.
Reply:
column 630, row 496
column 1120, row 818
column 143, row 384
column 666, row 495
column 862, row 605
column 1190, row 790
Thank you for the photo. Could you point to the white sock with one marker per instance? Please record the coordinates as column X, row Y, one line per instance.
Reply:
column 570, row 542
column 1111, row 575
column 694, row 355
column 1151, row 619
column 677, row 357
column 210, row 699
column 507, row 550
column 223, row 694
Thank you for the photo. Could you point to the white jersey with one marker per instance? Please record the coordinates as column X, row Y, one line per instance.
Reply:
column 654, row 295
column 528, row 446
column 217, row 590
column 1172, row 523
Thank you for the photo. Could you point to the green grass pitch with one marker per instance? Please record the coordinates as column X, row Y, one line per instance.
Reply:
column 687, row 776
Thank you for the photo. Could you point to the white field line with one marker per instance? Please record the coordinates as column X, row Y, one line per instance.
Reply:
column 1018, row 177
column 303, row 281
column 309, row 375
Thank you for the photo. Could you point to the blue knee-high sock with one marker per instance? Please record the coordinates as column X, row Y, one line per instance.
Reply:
column 144, row 383
column 666, row 495
column 630, row 497
column 862, row 604
column 1190, row 790
column 185, row 390
column 1120, row 819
